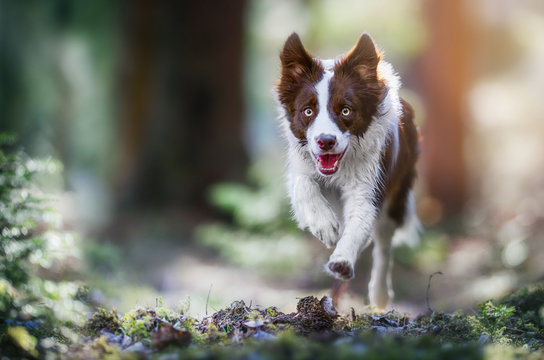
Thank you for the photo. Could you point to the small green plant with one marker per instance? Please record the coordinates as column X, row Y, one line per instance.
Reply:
column 496, row 315
column 529, row 303
column 493, row 320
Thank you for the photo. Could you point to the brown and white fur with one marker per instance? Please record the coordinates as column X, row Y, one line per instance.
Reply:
column 352, row 149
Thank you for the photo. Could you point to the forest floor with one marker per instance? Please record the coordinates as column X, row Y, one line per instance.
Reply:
column 512, row 328
column 53, row 283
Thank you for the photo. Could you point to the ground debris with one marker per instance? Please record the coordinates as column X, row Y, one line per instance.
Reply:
column 515, row 322
column 103, row 320
column 168, row 335
column 231, row 318
column 313, row 316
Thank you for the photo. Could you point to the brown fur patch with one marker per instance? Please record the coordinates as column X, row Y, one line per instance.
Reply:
column 356, row 85
column 399, row 178
column 299, row 73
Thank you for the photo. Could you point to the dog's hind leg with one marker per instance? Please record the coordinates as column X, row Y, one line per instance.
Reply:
column 380, row 289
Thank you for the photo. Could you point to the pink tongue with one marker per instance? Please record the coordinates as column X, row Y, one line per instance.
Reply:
column 327, row 161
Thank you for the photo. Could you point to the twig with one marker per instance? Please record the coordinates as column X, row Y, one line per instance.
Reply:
column 338, row 289
column 519, row 331
column 429, row 290
column 208, row 299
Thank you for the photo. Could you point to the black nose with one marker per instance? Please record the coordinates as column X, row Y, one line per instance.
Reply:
column 326, row 142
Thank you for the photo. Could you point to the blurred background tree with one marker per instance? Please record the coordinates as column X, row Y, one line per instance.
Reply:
column 132, row 93
column 450, row 32
column 181, row 110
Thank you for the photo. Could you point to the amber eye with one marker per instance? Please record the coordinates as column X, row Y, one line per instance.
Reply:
column 346, row 111
column 308, row 112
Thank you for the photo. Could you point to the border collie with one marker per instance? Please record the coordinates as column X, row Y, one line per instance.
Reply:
column 352, row 150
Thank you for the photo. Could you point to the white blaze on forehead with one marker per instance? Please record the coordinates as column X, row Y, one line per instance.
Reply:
column 323, row 124
column 323, row 120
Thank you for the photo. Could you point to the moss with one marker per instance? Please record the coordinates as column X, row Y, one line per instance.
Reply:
column 192, row 326
column 527, row 299
column 457, row 328
column 529, row 305
column 272, row 311
column 103, row 320
column 212, row 335
column 508, row 322
column 138, row 323
column 164, row 313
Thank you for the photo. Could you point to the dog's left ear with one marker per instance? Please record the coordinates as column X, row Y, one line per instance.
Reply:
column 363, row 57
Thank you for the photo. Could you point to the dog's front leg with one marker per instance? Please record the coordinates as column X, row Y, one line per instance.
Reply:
column 359, row 218
column 312, row 210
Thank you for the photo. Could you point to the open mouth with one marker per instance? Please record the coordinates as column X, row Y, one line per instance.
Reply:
column 328, row 163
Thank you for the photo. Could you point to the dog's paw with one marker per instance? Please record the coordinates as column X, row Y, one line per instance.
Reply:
column 340, row 269
column 328, row 234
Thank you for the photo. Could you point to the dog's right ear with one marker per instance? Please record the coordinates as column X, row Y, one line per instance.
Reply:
column 297, row 67
column 295, row 60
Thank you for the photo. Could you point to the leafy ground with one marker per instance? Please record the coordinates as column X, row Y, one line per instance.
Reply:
column 510, row 329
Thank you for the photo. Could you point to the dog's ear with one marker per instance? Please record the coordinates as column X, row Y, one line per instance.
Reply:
column 297, row 66
column 364, row 57
column 295, row 60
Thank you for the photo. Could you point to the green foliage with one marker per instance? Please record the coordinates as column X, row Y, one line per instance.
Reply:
column 274, row 253
column 31, row 307
column 17, row 217
column 494, row 318
column 512, row 321
column 103, row 258
column 262, row 207
column 432, row 249
column 529, row 303
column 261, row 236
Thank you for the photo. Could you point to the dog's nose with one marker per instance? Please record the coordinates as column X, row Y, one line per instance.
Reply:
column 326, row 142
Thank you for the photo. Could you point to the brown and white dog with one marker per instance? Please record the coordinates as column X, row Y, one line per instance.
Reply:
column 352, row 150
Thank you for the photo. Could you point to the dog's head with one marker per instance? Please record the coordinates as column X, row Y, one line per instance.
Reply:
column 327, row 101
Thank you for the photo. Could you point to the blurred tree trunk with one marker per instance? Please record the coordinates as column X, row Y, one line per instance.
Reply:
column 444, row 73
column 181, row 111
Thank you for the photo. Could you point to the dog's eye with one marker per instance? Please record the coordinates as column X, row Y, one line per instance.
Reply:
column 308, row 112
column 346, row 111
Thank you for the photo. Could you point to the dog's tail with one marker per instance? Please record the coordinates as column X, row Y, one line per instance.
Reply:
column 409, row 232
